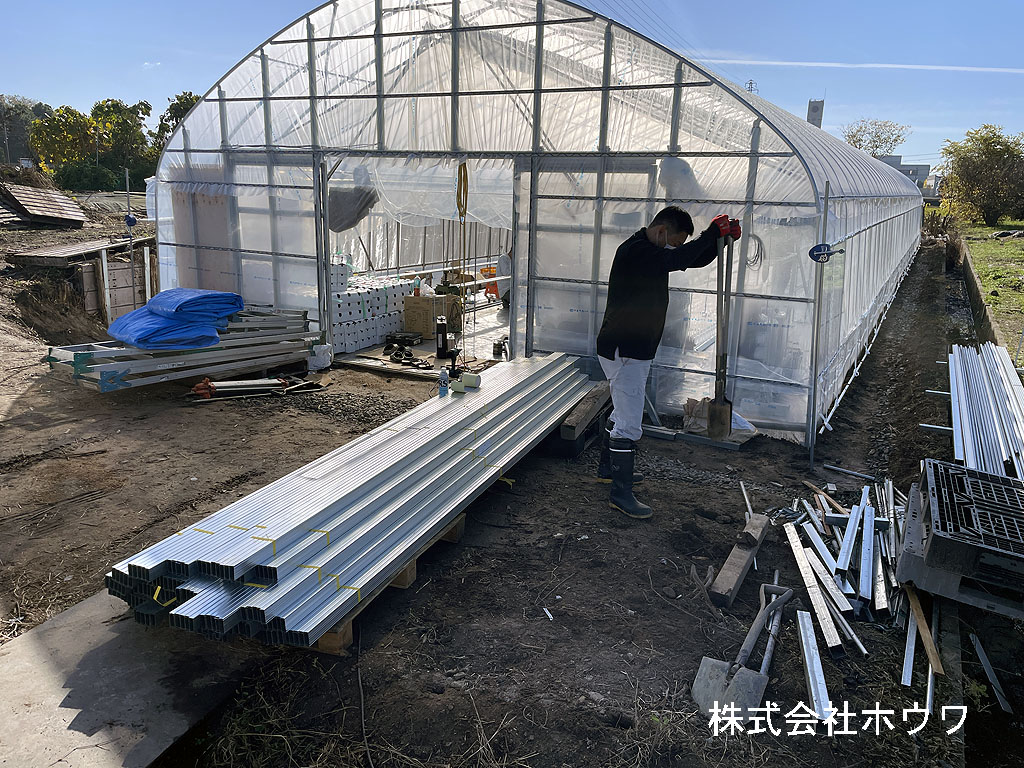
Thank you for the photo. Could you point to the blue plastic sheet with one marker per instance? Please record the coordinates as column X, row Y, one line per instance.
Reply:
column 195, row 304
column 145, row 329
column 179, row 318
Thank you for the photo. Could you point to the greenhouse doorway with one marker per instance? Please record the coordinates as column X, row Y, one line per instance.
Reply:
column 413, row 238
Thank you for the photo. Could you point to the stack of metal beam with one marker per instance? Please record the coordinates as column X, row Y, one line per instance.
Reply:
column 287, row 562
column 255, row 339
column 987, row 410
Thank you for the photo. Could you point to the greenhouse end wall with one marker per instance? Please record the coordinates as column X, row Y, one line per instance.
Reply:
column 575, row 131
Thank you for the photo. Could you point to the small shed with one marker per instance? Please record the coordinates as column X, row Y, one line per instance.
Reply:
column 34, row 205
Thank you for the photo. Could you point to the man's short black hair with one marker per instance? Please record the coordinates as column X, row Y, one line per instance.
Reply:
column 675, row 218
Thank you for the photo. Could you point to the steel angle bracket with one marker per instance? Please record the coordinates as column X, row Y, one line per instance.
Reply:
column 112, row 380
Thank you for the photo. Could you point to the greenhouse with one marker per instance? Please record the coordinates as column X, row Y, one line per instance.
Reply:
column 405, row 135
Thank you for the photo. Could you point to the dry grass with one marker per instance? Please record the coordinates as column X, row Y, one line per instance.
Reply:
column 274, row 731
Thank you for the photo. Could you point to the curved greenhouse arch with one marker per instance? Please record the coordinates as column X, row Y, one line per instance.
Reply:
column 340, row 137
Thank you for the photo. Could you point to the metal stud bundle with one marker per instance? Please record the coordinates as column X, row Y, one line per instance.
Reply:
column 987, row 409
column 287, row 562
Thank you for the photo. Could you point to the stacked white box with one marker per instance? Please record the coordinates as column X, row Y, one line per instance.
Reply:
column 366, row 308
column 340, row 275
column 353, row 335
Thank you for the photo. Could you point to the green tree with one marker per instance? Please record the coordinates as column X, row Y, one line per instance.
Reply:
column 984, row 174
column 176, row 110
column 123, row 132
column 64, row 136
column 876, row 137
column 87, row 175
column 16, row 116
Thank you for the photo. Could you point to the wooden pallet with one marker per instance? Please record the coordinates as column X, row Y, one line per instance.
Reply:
column 339, row 637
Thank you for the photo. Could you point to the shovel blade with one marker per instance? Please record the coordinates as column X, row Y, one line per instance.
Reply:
column 719, row 419
column 713, row 690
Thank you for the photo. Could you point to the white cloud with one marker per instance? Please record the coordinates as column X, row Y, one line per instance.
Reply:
column 854, row 65
column 150, row 64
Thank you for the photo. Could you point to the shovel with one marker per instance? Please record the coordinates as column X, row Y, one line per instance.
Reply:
column 720, row 409
column 720, row 683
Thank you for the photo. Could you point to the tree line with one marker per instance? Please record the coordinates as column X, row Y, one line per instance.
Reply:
column 982, row 174
column 89, row 151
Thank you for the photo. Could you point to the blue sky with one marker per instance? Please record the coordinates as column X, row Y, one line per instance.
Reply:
column 113, row 48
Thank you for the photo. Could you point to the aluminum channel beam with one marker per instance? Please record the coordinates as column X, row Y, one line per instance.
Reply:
column 334, row 567
column 337, row 593
column 311, row 494
column 850, row 535
column 551, row 396
column 817, row 691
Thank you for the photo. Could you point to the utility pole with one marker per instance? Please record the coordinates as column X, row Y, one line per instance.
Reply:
column 7, row 149
column 751, row 86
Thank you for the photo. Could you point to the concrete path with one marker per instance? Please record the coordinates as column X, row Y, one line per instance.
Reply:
column 90, row 688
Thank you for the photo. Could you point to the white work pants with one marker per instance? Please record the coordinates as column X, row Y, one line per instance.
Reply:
column 628, row 379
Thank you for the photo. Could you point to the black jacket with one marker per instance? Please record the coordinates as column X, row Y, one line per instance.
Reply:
column 634, row 317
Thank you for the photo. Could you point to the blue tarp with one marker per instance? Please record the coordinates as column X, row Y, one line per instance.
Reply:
column 195, row 304
column 179, row 318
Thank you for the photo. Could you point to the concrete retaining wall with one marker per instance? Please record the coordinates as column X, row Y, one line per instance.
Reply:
column 984, row 322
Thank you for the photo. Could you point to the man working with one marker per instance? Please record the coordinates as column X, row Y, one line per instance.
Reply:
column 634, row 320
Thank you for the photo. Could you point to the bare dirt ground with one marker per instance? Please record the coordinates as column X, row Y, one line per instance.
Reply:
column 465, row 668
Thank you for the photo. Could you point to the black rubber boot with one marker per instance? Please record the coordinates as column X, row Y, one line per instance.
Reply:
column 604, row 468
column 622, row 454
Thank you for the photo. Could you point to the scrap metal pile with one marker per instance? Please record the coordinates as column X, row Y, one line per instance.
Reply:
column 255, row 339
column 847, row 559
column 289, row 561
column 958, row 534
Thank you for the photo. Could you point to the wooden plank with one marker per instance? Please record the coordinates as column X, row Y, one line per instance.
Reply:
column 103, row 286
column 406, row 576
column 923, row 631
column 121, row 276
column 62, row 254
column 828, row 627
column 8, row 215
column 828, row 583
column 832, row 502
column 337, row 640
column 580, row 417
column 727, row 584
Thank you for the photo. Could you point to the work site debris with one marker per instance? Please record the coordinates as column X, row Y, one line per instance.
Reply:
column 207, row 390
column 727, row 585
column 289, row 561
column 257, row 338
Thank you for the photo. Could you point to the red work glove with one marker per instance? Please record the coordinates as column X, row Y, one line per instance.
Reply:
column 734, row 229
column 722, row 222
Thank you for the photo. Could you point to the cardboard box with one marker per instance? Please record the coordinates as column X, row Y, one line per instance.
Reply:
column 421, row 314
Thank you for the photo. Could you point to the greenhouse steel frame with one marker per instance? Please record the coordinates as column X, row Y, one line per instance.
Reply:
column 341, row 138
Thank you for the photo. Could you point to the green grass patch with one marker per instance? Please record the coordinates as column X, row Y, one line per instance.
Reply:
column 1000, row 267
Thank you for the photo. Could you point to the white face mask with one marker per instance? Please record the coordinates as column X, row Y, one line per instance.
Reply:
column 666, row 246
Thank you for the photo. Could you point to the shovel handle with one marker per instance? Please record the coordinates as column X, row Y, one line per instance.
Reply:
column 725, row 256
column 759, row 621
